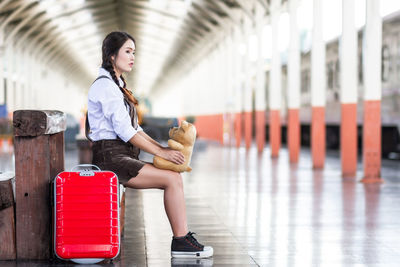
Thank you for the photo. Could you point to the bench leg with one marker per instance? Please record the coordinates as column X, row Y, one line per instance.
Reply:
column 7, row 221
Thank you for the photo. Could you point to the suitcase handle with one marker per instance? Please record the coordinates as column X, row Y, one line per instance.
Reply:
column 83, row 166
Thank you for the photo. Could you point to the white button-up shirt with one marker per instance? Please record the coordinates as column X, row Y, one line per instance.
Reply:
column 107, row 113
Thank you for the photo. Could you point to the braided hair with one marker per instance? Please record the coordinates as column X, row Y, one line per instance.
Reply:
column 111, row 45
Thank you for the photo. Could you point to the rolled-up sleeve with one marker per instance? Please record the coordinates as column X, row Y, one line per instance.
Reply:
column 114, row 110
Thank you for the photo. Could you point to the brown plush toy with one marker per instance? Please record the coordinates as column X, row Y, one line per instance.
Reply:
column 182, row 139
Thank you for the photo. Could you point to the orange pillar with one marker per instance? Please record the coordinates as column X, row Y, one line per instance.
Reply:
column 260, row 92
column 247, row 128
column 260, row 130
column 230, row 124
column 372, row 142
column 372, row 93
column 294, row 135
column 293, row 83
column 318, row 90
column 275, row 82
column 348, row 140
column 210, row 127
column 348, row 90
column 318, row 137
column 275, row 132
column 238, row 128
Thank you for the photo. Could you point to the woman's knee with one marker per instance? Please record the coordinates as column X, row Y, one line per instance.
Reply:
column 175, row 180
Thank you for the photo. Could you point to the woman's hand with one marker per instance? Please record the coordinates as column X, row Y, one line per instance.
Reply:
column 156, row 149
column 172, row 155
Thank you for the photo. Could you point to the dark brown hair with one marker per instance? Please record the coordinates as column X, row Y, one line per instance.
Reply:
column 111, row 45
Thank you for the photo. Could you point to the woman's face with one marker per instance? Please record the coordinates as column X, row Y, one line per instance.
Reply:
column 125, row 58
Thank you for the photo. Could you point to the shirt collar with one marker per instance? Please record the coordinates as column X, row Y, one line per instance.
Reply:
column 103, row 71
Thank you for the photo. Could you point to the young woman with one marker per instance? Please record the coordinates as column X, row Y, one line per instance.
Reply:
column 117, row 140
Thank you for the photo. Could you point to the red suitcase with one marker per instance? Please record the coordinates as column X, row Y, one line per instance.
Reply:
column 86, row 215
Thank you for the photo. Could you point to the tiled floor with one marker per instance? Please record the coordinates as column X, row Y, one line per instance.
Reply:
column 258, row 211
column 291, row 216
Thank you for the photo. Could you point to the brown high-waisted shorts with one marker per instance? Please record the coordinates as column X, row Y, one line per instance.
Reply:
column 119, row 157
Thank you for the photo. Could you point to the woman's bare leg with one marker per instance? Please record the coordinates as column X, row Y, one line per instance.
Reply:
column 174, row 201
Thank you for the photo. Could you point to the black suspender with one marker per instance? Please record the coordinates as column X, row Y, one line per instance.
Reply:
column 87, row 126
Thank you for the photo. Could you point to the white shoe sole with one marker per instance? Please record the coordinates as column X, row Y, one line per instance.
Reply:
column 207, row 252
column 204, row 262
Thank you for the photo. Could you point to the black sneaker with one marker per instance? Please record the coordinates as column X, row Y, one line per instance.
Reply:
column 188, row 247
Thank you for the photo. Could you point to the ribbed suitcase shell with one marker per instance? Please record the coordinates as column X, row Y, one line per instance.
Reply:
column 86, row 215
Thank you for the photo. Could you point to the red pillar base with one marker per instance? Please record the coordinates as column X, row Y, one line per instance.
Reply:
column 275, row 132
column 372, row 180
column 318, row 137
column 348, row 137
column 260, row 130
column 372, row 142
column 293, row 135
column 247, row 128
column 210, row 127
column 238, row 128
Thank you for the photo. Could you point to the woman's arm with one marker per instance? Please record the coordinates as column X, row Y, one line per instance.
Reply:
column 148, row 138
column 141, row 142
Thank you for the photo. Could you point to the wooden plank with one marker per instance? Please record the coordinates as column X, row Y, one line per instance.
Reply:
column 32, row 175
column 38, row 122
column 7, row 221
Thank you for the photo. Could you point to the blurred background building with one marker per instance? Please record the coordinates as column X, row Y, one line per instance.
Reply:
column 222, row 64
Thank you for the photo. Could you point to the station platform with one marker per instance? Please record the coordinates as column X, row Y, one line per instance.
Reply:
column 261, row 211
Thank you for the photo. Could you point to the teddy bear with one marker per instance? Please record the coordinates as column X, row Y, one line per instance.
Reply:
column 182, row 139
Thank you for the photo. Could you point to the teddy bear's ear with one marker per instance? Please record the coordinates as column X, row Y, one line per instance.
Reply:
column 184, row 125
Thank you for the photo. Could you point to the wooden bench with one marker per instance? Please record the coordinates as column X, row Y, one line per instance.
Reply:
column 39, row 157
column 7, row 217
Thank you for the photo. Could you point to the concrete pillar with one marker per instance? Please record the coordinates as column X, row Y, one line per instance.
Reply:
column 10, row 79
column 35, row 77
column 248, row 86
column 275, row 83
column 34, row 82
column 2, row 62
column 209, row 122
column 2, row 54
column 29, row 78
column 318, row 87
column 222, row 88
column 348, row 90
column 260, row 87
column 225, row 91
column 238, row 59
column 19, row 82
column 372, row 93
column 229, row 94
column 293, row 135
column 230, row 60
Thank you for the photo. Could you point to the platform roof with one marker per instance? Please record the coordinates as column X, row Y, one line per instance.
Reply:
column 169, row 33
